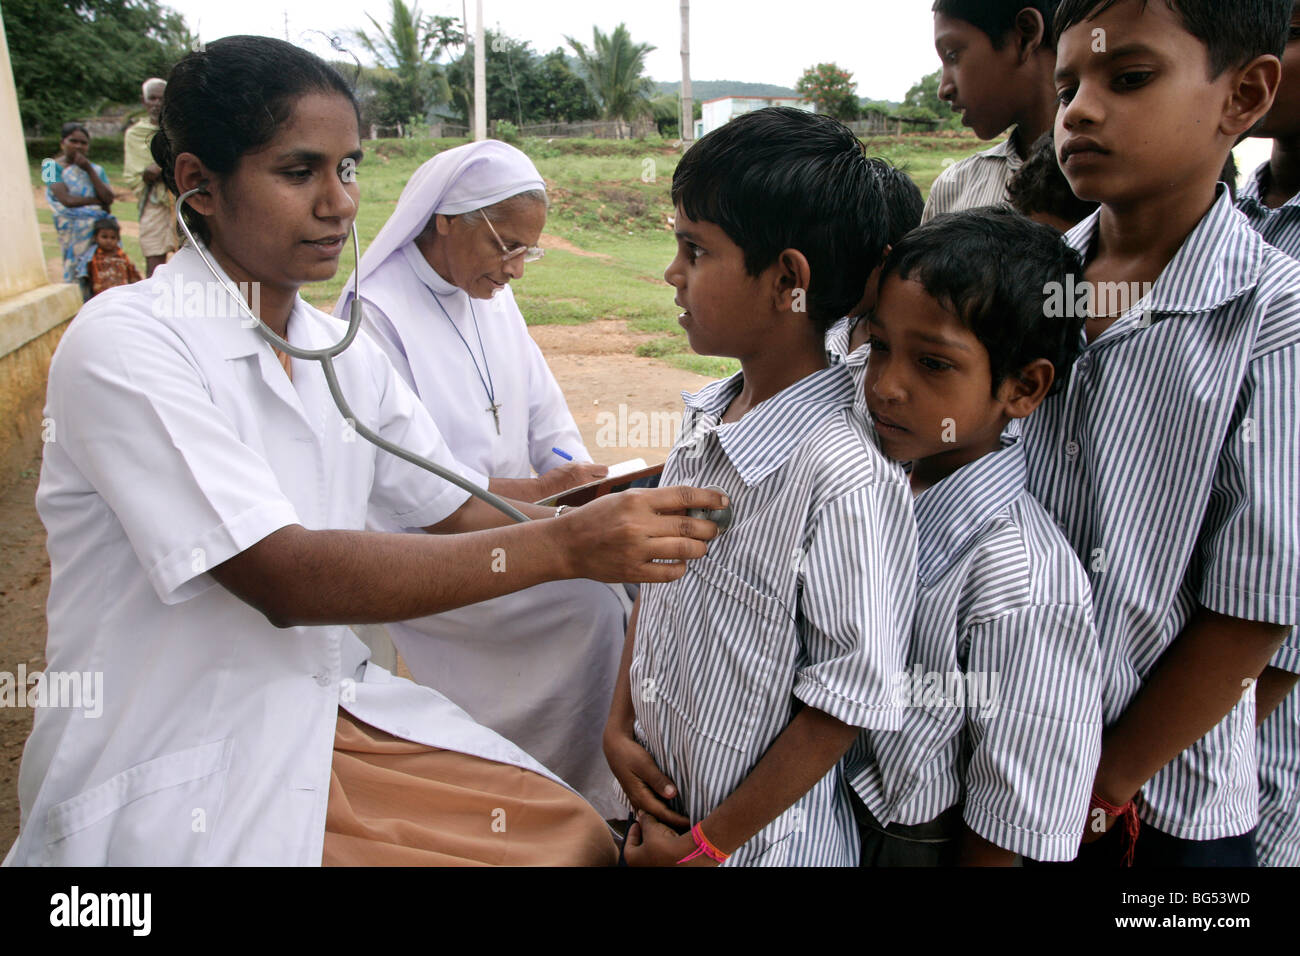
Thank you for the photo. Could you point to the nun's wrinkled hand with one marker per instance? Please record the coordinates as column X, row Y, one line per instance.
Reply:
column 561, row 479
column 640, row 535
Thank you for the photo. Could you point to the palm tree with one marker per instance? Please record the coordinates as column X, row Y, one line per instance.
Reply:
column 612, row 69
column 407, row 48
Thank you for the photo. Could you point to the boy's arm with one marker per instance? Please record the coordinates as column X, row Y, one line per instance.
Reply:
column 1270, row 690
column 633, row 767
column 809, row 747
column 1200, row 678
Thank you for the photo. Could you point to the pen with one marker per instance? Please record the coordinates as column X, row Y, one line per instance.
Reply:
column 563, row 454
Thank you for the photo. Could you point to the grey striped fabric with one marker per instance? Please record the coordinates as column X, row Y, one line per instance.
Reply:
column 807, row 597
column 979, row 180
column 1172, row 461
column 1003, row 606
column 1277, row 839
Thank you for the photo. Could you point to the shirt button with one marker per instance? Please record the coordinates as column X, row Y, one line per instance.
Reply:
column 1084, row 364
column 1072, row 449
column 321, row 679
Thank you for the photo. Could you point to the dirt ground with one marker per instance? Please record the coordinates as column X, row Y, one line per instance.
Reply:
column 593, row 363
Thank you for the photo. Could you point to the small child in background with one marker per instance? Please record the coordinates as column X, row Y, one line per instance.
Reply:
column 1041, row 191
column 903, row 208
column 105, row 265
column 744, row 683
column 1002, row 724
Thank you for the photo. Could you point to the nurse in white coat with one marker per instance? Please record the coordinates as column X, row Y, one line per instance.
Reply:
column 204, row 502
column 537, row 666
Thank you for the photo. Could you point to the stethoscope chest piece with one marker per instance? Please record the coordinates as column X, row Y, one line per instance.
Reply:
column 719, row 516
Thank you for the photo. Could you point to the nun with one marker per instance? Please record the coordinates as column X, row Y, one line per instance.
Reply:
column 537, row 666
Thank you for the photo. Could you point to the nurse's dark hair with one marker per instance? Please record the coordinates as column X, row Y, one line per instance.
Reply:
column 1234, row 32
column 782, row 178
column 997, row 272
column 229, row 98
column 997, row 18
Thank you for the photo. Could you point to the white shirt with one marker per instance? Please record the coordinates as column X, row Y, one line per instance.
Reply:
column 179, row 442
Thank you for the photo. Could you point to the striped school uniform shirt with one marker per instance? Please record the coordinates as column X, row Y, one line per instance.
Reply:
column 1003, row 686
column 979, row 180
column 1277, row 838
column 1172, row 461
column 807, row 597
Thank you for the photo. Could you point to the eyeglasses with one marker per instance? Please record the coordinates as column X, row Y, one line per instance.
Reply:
column 530, row 253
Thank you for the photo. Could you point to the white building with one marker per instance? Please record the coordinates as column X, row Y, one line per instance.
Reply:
column 722, row 110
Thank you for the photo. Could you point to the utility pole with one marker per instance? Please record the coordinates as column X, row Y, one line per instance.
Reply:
column 480, row 75
column 687, row 125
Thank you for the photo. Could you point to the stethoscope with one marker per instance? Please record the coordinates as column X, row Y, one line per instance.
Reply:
column 326, row 356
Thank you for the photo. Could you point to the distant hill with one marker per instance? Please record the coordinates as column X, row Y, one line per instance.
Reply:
column 712, row 89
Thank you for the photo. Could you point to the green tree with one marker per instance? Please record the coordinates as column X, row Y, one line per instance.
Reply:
column 922, row 102
column 613, row 69
column 71, row 58
column 561, row 95
column 831, row 89
column 409, row 83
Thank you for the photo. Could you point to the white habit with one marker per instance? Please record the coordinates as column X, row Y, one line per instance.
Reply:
column 537, row 666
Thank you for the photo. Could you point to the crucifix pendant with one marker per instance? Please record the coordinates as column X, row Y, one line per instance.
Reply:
column 494, row 408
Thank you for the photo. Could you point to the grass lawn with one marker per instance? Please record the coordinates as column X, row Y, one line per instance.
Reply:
column 609, row 199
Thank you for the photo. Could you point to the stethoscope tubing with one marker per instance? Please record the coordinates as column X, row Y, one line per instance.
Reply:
column 326, row 357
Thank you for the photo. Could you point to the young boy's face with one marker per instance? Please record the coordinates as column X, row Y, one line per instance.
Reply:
column 975, row 76
column 1283, row 120
column 107, row 239
column 715, row 292
column 928, row 383
column 1142, row 117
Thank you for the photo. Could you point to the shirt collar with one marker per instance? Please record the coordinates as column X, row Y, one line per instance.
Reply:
column 1220, row 260
column 1251, row 194
column 763, row 440
column 1005, row 150
column 953, row 513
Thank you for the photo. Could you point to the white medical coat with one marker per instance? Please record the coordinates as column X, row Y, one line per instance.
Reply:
column 177, row 441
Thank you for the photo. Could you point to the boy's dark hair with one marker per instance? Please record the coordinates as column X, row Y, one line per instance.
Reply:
column 229, row 98
column 781, row 178
column 997, row 18
column 106, row 222
column 903, row 202
column 1040, row 187
column 1233, row 31
column 994, row 269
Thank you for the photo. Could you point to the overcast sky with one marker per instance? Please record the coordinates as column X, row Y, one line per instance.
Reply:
column 886, row 45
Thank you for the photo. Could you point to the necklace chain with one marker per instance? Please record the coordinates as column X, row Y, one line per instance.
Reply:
column 487, row 383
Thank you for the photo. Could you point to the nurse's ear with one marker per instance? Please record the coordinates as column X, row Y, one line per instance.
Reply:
column 191, row 174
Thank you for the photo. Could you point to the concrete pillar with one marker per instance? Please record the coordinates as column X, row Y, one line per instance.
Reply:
column 33, row 312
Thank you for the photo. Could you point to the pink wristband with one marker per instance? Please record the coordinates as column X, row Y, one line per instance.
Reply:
column 703, row 848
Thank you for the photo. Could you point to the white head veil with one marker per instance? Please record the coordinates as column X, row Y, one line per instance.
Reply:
column 457, row 181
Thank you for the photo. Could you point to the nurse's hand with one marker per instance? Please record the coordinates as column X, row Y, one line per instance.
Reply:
column 640, row 535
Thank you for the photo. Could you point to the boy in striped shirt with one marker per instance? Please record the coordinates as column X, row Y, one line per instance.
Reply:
column 744, row 682
column 1270, row 200
column 1173, row 457
column 1002, row 729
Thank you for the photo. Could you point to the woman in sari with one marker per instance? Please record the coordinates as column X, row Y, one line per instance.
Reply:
column 78, row 193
